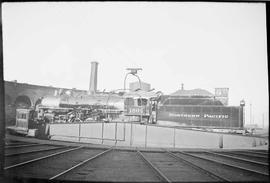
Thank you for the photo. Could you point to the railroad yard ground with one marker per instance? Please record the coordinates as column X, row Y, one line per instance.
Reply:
column 33, row 159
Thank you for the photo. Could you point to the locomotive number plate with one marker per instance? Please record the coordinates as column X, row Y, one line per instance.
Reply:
column 135, row 111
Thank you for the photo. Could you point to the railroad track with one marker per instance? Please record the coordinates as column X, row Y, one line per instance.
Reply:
column 116, row 165
column 257, row 153
column 41, row 149
column 21, row 145
column 80, row 163
column 240, row 163
column 236, row 157
column 225, row 167
column 10, row 144
column 253, row 157
column 171, row 168
column 32, row 161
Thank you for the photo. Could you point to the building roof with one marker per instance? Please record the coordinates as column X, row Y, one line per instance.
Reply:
column 194, row 92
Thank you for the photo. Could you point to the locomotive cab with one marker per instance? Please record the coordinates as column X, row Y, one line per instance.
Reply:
column 141, row 106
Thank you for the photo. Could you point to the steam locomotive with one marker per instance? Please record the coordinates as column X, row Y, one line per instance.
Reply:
column 140, row 106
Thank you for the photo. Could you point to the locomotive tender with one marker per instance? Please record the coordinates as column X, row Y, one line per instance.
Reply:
column 200, row 111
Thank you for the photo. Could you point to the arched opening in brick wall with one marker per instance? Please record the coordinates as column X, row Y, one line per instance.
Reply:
column 23, row 102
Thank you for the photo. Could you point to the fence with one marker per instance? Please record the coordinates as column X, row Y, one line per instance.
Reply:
column 137, row 135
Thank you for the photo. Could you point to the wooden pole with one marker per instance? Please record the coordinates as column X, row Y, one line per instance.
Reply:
column 2, row 106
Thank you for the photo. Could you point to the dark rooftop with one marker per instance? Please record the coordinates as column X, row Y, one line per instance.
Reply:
column 191, row 93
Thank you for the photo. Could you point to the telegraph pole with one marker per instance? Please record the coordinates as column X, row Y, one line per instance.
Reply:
column 250, row 119
column 242, row 104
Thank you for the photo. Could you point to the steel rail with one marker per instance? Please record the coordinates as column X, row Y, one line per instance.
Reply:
column 211, row 174
column 262, row 150
column 237, row 158
column 226, row 164
column 8, row 140
column 246, row 154
column 14, row 144
column 25, row 145
column 253, row 154
column 256, row 152
column 81, row 163
column 35, row 151
column 41, row 158
column 158, row 172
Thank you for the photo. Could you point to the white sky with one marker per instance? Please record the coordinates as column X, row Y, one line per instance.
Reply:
column 203, row 45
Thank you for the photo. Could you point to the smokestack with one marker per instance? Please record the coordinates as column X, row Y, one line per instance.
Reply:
column 93, row 78
column 182, row 86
